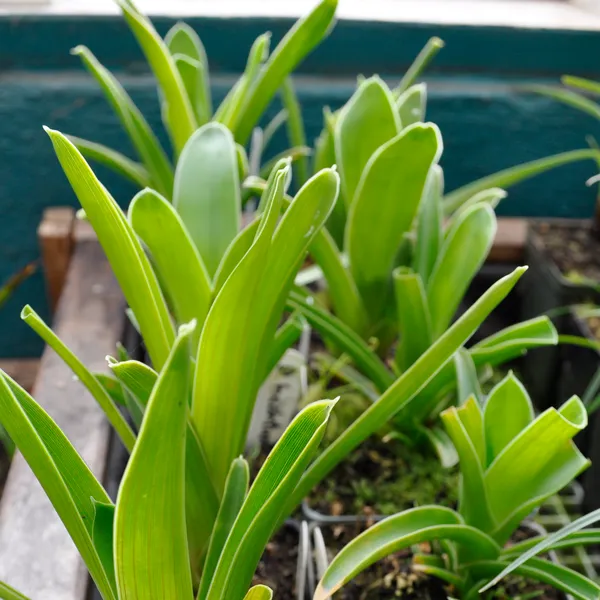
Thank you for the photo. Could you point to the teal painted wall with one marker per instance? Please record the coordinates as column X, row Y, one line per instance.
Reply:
column 486, row 122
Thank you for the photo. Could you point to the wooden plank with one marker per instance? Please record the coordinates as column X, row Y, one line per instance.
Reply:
column 511, row 237
column 23, row 370
column 37, row 555
column 55, row 235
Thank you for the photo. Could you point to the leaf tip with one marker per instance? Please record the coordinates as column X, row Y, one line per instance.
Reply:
column 27, row 312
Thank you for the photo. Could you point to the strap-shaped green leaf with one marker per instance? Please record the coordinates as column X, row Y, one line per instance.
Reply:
column 473, row 505
column 467, row 380
column 232, row 336
column 295, row 127
column 297, row 43
column 384, row 208
column 95, row 388
column 114, row 160
column 566, row 537
column 464, row 250
column 285, row 337
column 562, row 578
column 183, row 40
column 401, row 394
column 181, row 118
column 236, row 488
column 513, row 175
column 493, row 197
column 537, row 463
column 125, row 254
column 151, row 551
column 9, row 593
column 568, row 97
column 414, row 321
column 66, row 479
column 508, row 410
column 201, row 498
column 229, row 110
column 425, row 56
column 414, row 526
column 176, row 260
column 142, row 137
column 103, row 537
column 207, row 192
column 429, row 224
column 366, row 122
column 581, row 83
column 412, row 105
column 262, row 509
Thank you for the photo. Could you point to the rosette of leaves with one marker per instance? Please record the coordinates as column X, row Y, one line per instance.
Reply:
column 510, row 462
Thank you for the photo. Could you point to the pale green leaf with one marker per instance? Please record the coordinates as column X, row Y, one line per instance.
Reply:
column 123, row 250
column 569, row 97
column 176, row 260
column 151, row 550
column 431, row 48
column 142, row 137
column 412, row 105
column 95, row 388
column 463, row 252
column 384, row 208
column 207, row 192
column 9, row 593
column 467, row 381
column 181, row 118
column 102, row 536
column 414, row 321
column 295, row 127
column 366, row 122
column 297, row 43
column 236, row 488
column 508, row 410
column 259, row 592
column 285, row 337
column 114, row 160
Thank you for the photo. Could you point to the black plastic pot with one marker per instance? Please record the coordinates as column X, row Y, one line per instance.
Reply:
column 546, row 289
column 578, row 366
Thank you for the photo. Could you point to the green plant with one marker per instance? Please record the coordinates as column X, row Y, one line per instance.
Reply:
column 180, row 66
column 510, row 462
column 138, row 547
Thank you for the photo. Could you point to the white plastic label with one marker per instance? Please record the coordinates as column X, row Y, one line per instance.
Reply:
column 277, row 400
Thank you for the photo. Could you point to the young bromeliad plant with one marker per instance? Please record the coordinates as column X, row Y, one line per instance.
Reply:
column 139, row 546
column 180, row 66
column 510, row 462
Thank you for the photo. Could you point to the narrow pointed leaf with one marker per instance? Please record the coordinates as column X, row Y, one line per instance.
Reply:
column 151, row 551
column 182, row 39
column 587, row 85
column 431, row 48
column 429, row 225
column 368, row 121
column 461, row 256
column 273, row 126
column 114, row 160
column 181, row 118
column 412, row 105
column 508, row 410
column 66, row 479
column 236, row 488
column 442, row 444
column 142, row 137
column 261, row 511
column 175, row 258
column 8, row 593
column 297, row 43
column 207, row 194
column 102, row 536
column 568, row 97
column 414, row 322
column 414, row 526
column 125, row 254
column 295, row 127
column 513, row 175
column 287, row 335
column 384, row 208
column 95, row 388
column 467, row 381
column 399, row 396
